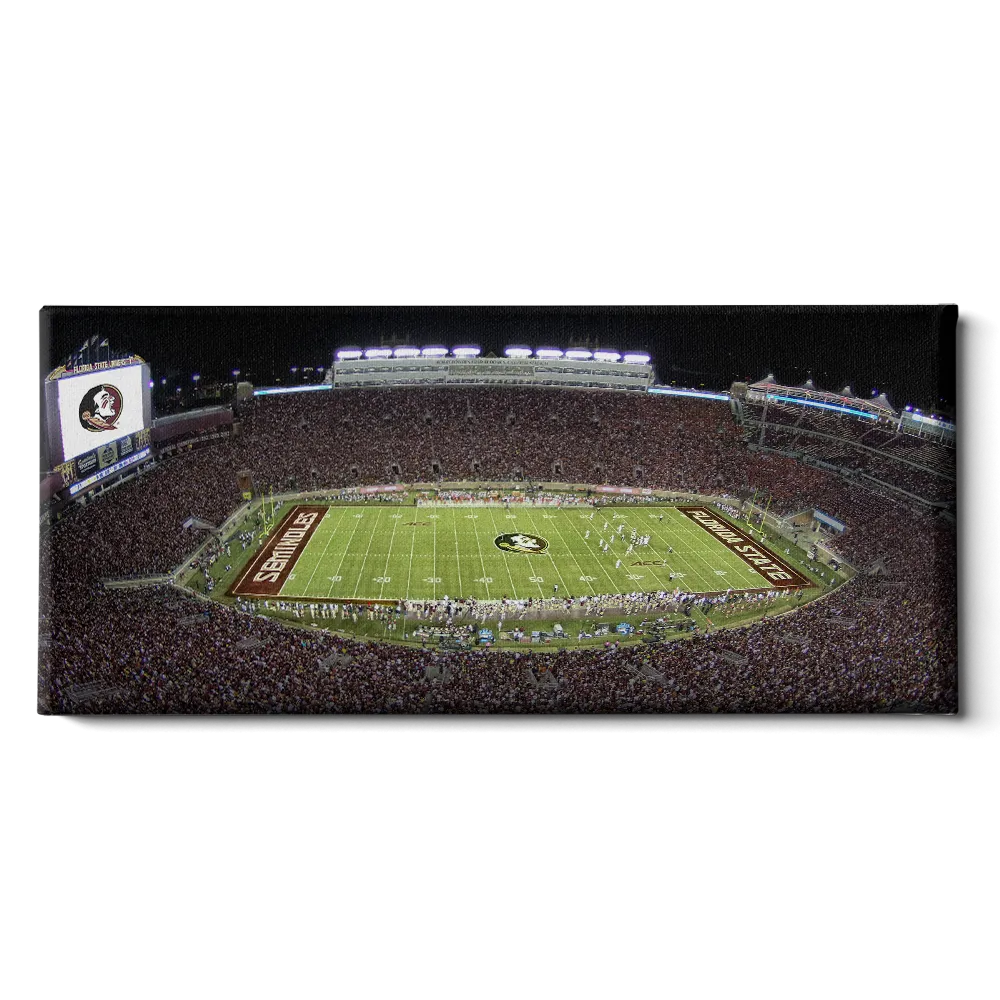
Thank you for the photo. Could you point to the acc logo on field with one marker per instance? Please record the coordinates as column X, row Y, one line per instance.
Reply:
column 101, row 408
column 519, row 542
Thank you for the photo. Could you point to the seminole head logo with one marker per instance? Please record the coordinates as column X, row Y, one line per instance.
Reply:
column 101, row 408
column 520, row 543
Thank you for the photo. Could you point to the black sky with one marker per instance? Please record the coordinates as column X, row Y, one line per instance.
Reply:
column 905, row 351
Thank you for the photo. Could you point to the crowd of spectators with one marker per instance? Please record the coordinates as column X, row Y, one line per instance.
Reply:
column 535, row 498
column 432, row 434
column 879, row 449
column 869, row 647
column 886, row 639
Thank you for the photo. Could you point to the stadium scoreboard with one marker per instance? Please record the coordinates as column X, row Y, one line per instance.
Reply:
column 98, row 419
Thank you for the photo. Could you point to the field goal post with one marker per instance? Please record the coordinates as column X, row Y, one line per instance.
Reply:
column 267, row 509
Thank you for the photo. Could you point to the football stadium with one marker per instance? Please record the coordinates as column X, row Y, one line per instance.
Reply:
column 448, row 529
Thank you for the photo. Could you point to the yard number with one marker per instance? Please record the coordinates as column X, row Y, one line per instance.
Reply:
column 484, row 579
column 536, row 579
column 432, row 579
column 381, row 579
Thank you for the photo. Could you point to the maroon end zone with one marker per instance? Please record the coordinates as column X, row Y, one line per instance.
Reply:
column 269, row 569
column 776, row 571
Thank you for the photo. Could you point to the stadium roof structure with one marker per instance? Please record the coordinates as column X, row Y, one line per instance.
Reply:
column 807, row 394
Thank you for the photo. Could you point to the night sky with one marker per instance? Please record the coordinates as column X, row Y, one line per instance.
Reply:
column 905, row 351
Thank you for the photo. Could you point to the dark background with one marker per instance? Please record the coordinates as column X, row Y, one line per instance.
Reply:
column 905, row 351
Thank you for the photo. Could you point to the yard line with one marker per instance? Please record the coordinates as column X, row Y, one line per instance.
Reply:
column 693, row 532
column 700, row 572
column 506, row 565
column 409, row 568
column 343, row 555
column 694, row 572
column 551, row 560
column 614, row 588
column 319, row 562
column 573, row 554
column 388, row 556
column 458, row 556
column 364, row 561
column 481, row 563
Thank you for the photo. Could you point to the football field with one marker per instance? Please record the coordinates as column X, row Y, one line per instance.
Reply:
column 387, row 552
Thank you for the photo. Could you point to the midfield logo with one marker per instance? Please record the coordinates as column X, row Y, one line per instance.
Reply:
column 520, row 543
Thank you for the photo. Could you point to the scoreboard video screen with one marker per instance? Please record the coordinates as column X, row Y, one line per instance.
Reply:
column 98, row 421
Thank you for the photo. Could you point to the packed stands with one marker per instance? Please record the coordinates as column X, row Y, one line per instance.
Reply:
column 883, row 641
column 875, row 449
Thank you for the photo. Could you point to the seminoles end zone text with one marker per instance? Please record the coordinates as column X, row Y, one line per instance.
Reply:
column 267, row 574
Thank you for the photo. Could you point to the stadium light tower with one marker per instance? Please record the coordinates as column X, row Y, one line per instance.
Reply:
column 195, row 378
column 466, row 352
column 406, row 352
column 636, row 359
column 378, row 352
column 548, row 353
column 517, row 352
column 607, row 356
column 575, row 355
column 434, row 352
column 349, row 354
column 236, row 373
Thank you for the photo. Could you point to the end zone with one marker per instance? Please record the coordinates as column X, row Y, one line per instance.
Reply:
column 269, row 569
column 776, row 571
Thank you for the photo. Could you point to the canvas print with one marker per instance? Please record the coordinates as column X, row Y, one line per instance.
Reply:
column 498, row 510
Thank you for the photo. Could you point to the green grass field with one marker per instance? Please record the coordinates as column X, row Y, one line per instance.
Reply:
column 387, row 552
